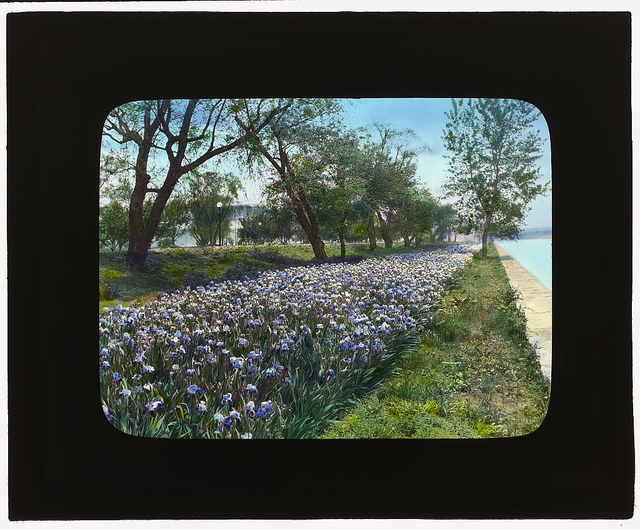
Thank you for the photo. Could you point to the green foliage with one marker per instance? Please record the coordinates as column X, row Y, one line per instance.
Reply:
column 445, row 221
column 390, row 170
column 114, row 226
column 174, row 222
column 210, row 206
column 413, row 214
column 287, row 149
column 273, row 223
column 493, row 153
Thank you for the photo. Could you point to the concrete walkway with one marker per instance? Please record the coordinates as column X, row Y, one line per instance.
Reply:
column 536, row 304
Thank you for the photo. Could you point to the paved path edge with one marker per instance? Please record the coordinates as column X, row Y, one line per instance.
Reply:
column 536, row 302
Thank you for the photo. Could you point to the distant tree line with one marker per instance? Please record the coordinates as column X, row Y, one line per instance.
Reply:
column 160, row 175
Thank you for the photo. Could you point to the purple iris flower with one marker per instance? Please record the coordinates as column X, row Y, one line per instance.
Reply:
column 250, row 389
column 267, row 406
column 193, row 389
column 237, row 362
column 107, row 414
column 153, row 406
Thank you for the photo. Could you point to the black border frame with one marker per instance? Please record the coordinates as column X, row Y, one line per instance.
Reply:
column 67, row 70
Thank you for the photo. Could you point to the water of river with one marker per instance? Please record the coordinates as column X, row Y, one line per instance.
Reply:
column 532, row 254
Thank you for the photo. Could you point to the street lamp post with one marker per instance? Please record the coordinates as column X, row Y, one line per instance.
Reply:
column 219, row 223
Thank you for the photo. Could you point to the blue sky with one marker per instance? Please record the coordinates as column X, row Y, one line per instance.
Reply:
column 426, row 117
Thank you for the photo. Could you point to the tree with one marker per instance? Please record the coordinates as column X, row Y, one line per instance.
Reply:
column 169, row 139
column 335, row 191
column 208, row 222
column 114, row 226
column 281, row 221
column 445, row 217
column 112, row 172
column 493, row 150
column 414, row 215
column 392, row 169
column 287, row 147
column 175, row 219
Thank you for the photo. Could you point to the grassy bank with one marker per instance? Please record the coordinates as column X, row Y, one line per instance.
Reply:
column 474, row 375
column 181, row 267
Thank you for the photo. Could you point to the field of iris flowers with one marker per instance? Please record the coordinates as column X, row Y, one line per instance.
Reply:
column 277, row 356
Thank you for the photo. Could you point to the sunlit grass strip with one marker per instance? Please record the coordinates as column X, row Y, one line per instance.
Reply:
column 475, row 373
column 279, row 356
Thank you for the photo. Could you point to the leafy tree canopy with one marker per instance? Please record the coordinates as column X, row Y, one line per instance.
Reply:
column 493, row 150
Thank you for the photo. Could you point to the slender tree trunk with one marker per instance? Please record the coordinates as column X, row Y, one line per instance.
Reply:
column 343, row 246
column 371, row 231
column 388, row 241
column 317, row 244
column 485, row 234
column 309, row 223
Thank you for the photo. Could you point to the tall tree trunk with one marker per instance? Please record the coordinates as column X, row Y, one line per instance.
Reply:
column 371, row 231
column 485, row 234
column 388, row 241
column 140, row 235
column 307, row 219
column 343, row 246
column 139, row 244
column 317, row 244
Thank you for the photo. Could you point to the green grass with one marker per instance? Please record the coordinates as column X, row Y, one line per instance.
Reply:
column 474, row 375
column 172, row 268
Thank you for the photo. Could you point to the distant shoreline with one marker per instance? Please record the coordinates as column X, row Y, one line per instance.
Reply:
column 536, row 233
